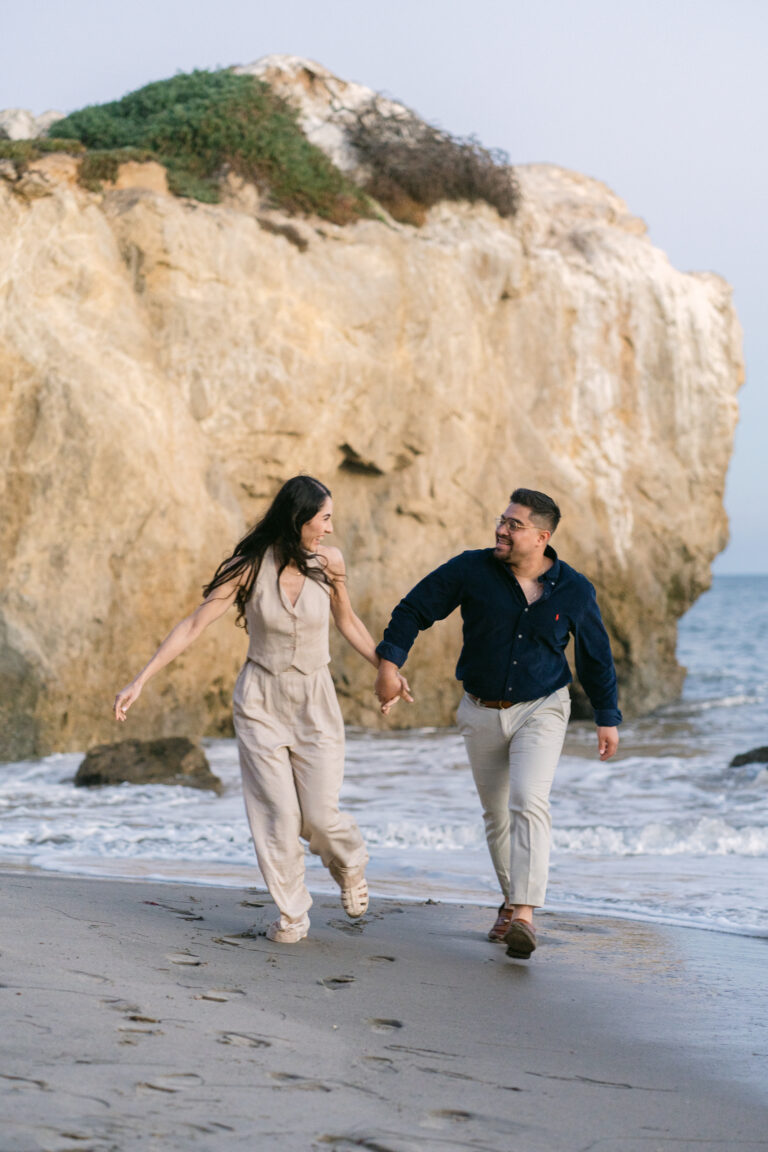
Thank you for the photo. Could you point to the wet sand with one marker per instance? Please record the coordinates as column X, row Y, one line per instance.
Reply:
column 153, row 1016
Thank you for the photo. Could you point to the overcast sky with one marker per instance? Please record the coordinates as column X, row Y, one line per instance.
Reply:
column 664, row 100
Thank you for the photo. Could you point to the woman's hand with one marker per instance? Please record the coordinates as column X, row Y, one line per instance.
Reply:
column 125, row 698
column 176, row 642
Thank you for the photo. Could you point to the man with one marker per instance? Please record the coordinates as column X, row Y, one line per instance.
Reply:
column 519, row 605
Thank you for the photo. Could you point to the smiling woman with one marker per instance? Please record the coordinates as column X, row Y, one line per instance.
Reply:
column 285, row 583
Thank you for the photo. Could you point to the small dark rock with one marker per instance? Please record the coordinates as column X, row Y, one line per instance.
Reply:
column 756, row 756
column 173, row 760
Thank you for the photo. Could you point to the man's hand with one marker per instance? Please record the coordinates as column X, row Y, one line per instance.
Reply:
column 403, row 694
column 391, row 686
column 607, row 742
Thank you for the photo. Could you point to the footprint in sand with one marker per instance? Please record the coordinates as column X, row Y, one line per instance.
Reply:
column 173, row 1082
column 447, row 1118
column 334, row 983
column 244, row 1040
column 90, row 975
column 291, row 1080
column 220, row 995
column 383, row 1025
column 583, row 929
column 185, row 958
column 130, row 1011
column 24, row 1082
column 380, row 1063
column 389, row 959
column 351, row 927
column 251, row 933
column 374, row 1139
column 137, row 1026
column 133, row 1035
column 185, row 913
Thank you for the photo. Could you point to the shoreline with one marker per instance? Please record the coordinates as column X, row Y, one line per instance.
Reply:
column 662, row 841
column 141, row 1013
column 575, row 910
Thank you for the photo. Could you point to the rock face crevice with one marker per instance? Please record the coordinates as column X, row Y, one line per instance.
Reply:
column 165, row 365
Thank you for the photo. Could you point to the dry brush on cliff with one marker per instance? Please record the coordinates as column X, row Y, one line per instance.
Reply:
column 414, row 165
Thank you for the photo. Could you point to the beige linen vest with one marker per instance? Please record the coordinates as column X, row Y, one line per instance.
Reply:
column 281, row 635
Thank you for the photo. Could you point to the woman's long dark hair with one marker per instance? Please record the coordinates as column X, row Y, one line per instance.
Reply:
column 299, row 500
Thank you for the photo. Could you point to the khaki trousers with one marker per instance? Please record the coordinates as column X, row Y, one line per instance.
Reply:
column 513, row 753
column 290, row 737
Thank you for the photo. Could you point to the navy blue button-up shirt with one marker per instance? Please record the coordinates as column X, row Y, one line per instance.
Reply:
column 512, row 650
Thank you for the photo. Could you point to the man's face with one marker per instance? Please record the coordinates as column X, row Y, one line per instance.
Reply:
column 519, row 537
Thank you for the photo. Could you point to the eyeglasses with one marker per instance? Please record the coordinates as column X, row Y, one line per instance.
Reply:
column 513, row 525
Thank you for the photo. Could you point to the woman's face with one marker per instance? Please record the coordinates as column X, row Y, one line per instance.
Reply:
column 320, row 525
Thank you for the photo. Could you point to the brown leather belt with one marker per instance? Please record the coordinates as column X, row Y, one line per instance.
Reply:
column 490, row 703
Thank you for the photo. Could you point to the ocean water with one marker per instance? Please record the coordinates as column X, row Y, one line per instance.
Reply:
column 665, row 831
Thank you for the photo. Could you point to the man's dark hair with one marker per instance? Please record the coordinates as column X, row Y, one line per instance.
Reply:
column 543, row 509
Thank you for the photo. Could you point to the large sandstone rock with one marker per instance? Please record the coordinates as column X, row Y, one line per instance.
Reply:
column 166, row 364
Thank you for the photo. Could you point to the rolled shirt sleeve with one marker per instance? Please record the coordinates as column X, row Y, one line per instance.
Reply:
column 433, row 598
column 594, row 663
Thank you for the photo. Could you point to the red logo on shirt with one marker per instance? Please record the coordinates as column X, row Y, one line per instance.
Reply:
column 557, row 617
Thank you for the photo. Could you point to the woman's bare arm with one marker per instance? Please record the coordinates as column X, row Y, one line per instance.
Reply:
column 179, row 639
column 344, row 617
column 351, row 626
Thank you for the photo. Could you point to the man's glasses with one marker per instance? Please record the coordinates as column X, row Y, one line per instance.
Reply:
column 512, row 525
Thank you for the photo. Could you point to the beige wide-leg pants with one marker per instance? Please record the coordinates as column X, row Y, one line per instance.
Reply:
column 290, row 736
column 513, row 753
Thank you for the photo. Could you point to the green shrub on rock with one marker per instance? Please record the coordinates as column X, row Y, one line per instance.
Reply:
column 201, row 125
column 23, row 152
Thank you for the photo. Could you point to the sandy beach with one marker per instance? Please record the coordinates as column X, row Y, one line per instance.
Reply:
column 157, row 1016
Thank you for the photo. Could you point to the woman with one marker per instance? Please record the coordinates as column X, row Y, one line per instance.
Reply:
column 290, row 734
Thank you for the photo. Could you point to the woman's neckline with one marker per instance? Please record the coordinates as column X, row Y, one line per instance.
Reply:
column 283, row 592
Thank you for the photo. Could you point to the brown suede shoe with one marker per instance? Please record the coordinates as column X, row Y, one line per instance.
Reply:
column 520, row 939
column 501, row 927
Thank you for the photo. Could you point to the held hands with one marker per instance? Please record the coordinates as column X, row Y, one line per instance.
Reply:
column 403, row 694
column 391, row 686
column 607, row 742
column 125, row 698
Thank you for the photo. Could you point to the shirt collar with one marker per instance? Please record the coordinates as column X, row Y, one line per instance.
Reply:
column 552, row 575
